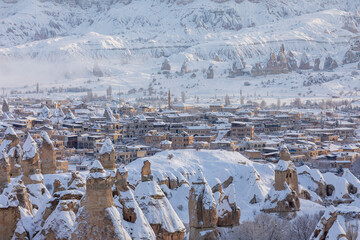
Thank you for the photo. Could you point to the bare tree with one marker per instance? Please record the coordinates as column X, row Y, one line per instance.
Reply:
column 352, row 230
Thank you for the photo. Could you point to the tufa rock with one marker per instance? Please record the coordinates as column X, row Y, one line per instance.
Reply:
column 166, row 224
column 134, row 220
column 350, row 57
column 202, row 210
column 317, row 64
column 184, row 69
column 4, row 171
column 292, row 61
column 304, row 62
column 227, row 211
column 257, row 70
column 107, row 155
column 165, row 66
column 330, row 64
column 10, row 144
column 210, row 73
column 47, row 155
column 98, row 218
column 329, row 227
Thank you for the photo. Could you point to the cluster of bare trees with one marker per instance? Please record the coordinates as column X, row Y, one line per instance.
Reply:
column 270, row 227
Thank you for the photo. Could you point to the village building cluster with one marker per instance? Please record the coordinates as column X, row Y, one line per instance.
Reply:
column 326, row 140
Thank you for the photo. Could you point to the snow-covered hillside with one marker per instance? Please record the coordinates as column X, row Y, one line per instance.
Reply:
column 57, row 43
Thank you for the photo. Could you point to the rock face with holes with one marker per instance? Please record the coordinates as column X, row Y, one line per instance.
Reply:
column 47, row 154
column 133, row 219
column 227, row 211
column 98, row 218
column 166, row 224
column 329, row 227
column 10, row 144
column 202, row 210
column 284, row 196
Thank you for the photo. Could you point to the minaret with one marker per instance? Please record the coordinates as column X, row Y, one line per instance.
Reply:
column 169, row 100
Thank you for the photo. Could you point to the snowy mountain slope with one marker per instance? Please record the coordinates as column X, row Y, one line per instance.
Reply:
column 59, row 42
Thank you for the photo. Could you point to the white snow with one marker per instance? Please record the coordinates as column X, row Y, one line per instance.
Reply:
column 107, row 147
column 29, row 148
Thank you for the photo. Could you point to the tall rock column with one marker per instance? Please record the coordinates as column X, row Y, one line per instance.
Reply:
column 47, row 155
column 107, row 155
column 157, row 209
column 134, row 220
column 284, row 196
column 4, row 171
column 98, row 219
column 30, row 163
column 202, row 210
column 11, row 145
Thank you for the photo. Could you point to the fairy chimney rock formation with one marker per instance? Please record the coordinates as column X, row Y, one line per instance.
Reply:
column 11, row 146
column 304, row 62
column 58, row 186
column 165, row 66
column 284, row 154
column 329, row 227
column 98, row 218
column 166, row 224
column 257, row 70
column 284, row 196
column 5, row 106
column 292, row 63
column 202, row 210
column 227, row 211
column 12, row 210
column 121, row 179
column 210, row 73
column 107, row 155
column 316, row 64
column 278, row 64
column 146, row 172
column 330, row 64
column 30, row 163
column 184, row 68
column 4, row 170
column 134, row 220
column 47, row 154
